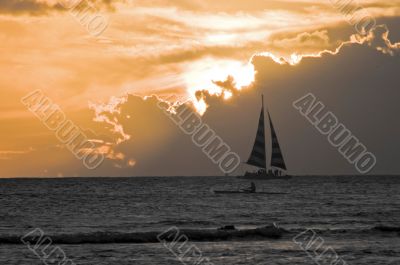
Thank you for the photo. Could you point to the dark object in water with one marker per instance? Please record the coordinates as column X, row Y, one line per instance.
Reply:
column 227, row 227
column 246, row 192
column 387, row 228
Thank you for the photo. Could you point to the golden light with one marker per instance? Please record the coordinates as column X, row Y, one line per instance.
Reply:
column 131, row 162
column 227, row 94
column 200, row 106
column 202, row 75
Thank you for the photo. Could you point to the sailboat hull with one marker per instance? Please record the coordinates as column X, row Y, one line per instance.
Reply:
column 264, row 176
column 250, row 193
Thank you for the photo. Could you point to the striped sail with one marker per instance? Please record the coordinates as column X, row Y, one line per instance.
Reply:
column 258, row 155
column 276, row 156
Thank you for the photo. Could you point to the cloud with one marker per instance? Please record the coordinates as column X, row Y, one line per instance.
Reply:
column 10, row 154
column 379, row 39
column 303, row 43
column 359, row 84
column 44, row 7
column 24, row 6
column 106, row 113
column 189, row 49
column 337, row 82
column 148, row 48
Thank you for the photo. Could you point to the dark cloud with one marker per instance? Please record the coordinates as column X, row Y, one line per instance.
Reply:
column 34, row 7
column 360, row 85
column 379, row 39
column 393, row 24
column 24, row 6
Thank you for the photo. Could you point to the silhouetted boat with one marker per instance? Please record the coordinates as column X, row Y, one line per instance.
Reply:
column 258, row 155
column 247, row 192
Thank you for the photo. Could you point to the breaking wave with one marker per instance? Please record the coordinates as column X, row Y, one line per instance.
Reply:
column 263, row 233
column 149, row 237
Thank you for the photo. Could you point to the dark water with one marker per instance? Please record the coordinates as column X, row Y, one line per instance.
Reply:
column 359, row 217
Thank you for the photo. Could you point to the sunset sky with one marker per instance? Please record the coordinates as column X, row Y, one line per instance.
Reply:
column 218, row 57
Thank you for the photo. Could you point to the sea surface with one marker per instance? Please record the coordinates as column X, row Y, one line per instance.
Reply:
column 358, row 217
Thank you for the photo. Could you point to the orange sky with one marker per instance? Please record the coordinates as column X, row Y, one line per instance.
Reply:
column 149, row 47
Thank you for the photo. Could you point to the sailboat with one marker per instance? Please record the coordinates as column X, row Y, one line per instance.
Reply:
column 258, row 157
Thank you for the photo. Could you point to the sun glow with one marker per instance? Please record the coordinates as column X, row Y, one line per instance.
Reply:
column 212, row 76
column 223, row 77
column 200, row 106
column 227, row 94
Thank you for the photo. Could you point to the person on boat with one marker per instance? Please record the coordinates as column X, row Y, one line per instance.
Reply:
column 251, row 189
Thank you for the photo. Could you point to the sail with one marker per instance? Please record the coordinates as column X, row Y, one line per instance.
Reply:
column 276, row 157
column 258, row 156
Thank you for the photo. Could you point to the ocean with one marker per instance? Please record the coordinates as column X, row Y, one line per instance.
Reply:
column 358, row 217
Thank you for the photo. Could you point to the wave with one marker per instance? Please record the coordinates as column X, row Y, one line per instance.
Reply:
column 186, row 222
column 172, row 234
column 370, row 230
column 224, row 234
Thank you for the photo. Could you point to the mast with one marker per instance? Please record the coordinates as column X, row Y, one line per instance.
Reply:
column 262, row 102
column 258, row 154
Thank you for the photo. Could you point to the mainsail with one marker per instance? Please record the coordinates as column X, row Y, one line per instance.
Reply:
column 258, row 155
column 276, row 156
